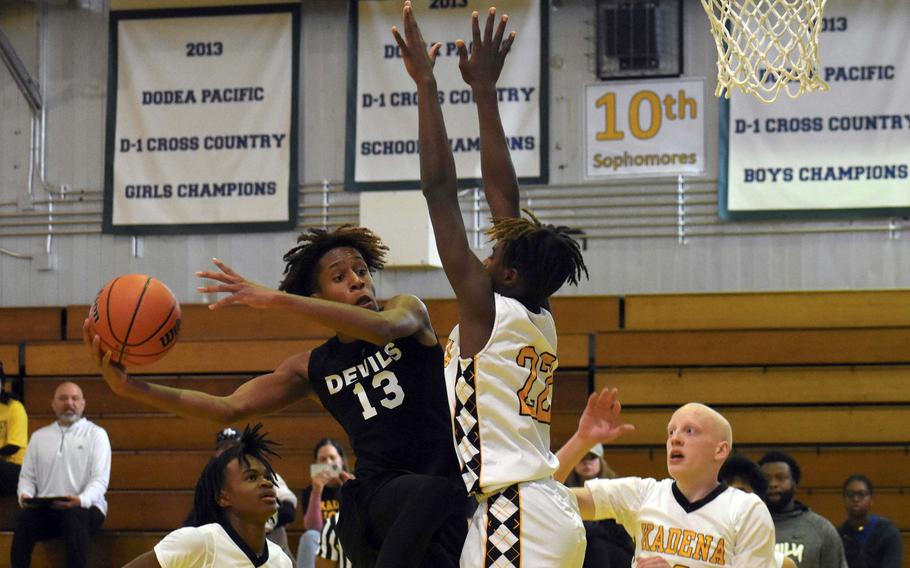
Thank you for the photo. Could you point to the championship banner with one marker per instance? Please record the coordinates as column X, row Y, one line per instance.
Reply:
column 382, row 147
column 646, row 128
column 202, row 120
column 836, row 153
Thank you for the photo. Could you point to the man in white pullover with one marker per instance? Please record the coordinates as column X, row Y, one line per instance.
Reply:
column 62, row 483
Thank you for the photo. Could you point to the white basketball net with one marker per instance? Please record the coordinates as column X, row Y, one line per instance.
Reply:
column 765, row 46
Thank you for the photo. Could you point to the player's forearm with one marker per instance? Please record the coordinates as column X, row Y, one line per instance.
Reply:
column 437, row 166
column 182, row 402
column 499, row 182
column 585, row 502
column 439, row 185
column 8, row 450
column 312, row 518
column 376, row 327
column 569, row 455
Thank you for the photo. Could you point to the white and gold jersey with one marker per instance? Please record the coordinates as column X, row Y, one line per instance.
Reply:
column 501, row 399
column 211, row 546
column 727, row 528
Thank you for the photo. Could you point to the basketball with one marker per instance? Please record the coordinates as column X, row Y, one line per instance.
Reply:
column 137, row 318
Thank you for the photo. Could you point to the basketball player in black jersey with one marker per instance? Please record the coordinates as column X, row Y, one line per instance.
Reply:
column 381, row 378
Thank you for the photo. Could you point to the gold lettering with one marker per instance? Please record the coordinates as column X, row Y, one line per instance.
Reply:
column 719, row 553
column 646, row 529
column 673, row 537
column 702, row 547
column 685, row 547
column 658, row 544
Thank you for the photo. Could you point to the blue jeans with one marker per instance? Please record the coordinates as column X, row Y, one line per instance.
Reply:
column 307, row 549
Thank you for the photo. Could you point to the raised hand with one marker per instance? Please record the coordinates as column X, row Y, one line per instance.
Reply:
column 241, row 290
column 484, row 64
column 600, row 420
column 418, row 60
column 114, row 374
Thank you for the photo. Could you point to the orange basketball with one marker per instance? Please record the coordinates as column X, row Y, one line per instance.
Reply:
column 137, row 318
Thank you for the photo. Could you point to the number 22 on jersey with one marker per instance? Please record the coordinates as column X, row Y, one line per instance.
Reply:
column 535, row 397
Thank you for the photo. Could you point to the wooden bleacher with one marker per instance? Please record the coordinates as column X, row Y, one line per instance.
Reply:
column 822, row 375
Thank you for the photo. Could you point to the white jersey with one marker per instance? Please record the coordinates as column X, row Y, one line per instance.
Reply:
column 210, row 546
column 501, row 399
column 727, row 528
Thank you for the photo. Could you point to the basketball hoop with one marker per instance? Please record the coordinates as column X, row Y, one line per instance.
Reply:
column 766, row 46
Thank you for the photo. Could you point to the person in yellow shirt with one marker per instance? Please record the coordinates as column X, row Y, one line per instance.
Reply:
column 13, row 438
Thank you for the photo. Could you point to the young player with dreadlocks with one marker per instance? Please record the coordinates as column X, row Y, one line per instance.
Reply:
column 501, row 357
column 234, row 497
column 380, row 377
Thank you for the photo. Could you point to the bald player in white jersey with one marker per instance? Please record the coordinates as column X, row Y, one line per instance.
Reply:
column 689, row 521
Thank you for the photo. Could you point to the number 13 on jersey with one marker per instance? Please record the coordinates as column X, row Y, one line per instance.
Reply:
column 535, row 397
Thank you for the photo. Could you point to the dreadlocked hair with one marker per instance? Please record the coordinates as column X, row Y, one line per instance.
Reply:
column 300, row 276
column 546, row 255
column 250, row 444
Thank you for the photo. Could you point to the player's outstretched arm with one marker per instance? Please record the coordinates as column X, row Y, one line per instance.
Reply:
column 599, row 423
column 403, row 316
column 465, row 272
column 585, row 500
column 480, row 68
column 257, row 397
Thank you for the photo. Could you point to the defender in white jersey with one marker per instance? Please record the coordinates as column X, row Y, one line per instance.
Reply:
column 689, row 521
column 502, row 355
column 213, row 546
column 234, row 497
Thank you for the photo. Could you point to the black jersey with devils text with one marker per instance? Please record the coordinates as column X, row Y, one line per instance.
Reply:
column 391, row 401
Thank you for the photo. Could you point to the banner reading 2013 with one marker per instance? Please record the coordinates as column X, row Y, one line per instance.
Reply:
column 841, row 152
column 201, row 133
column 382, row 147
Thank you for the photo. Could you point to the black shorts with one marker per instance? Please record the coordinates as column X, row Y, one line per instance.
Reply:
column 376, row 511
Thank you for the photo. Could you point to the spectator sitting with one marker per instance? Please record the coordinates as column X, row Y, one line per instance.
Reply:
column 63, row 481
column 321, row 499
column 744, row 474
column 806, row 537
column 13, row 438
column 870, row 541
column 287, row 501
column 609, row 545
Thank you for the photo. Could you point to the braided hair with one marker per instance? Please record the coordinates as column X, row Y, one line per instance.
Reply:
column 300, row 276
column 250, row 444
column 546, row 256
